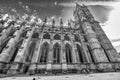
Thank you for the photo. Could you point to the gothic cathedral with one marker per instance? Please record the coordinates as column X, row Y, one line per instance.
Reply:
column 32, row 48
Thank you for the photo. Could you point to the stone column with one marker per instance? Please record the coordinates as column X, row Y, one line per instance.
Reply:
column 23, row 52
column 8, row 51
column 74, row 54
column 105, row 43
column 84, row 48
column 36, row 54
column 97, row 51
column 63, row 55
column 5, row 34
column 10, row 46
column 34, row 58
column 50, row 55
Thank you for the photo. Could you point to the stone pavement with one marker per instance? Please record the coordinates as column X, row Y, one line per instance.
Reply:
column 98, row 76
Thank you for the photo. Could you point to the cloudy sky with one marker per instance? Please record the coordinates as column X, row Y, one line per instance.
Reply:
column 107, row 12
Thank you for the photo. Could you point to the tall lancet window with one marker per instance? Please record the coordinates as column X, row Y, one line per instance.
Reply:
column 56, row 53
column 31, row 50
column 81, row 57
column 68, row 53
column 44, row 52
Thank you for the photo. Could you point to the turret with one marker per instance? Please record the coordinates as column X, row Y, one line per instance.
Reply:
column 53, row 22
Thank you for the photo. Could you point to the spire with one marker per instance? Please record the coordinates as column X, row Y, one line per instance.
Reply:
column 11, row 23
column 45, row 20
column 77, row 5
column 61, row 22
column 83, row 5
column 33, row 24
column 69, row 23
column 53, row 22
column 23, row 23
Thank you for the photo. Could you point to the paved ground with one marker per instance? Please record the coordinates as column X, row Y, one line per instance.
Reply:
column 100, row 76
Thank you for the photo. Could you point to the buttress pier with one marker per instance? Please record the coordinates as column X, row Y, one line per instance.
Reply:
column 28, row 46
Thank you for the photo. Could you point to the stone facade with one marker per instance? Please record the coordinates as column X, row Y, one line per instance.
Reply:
column 81, row 46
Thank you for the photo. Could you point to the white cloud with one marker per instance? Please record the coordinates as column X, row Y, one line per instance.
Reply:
column 112, row 27
column 72, row 4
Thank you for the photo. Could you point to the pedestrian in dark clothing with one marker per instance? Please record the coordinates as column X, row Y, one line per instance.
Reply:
column 34, row 79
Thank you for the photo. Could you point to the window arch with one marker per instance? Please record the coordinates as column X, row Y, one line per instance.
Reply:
column 44, row 52
column 76, row 38
column 35, row 35
column 68, row 53
column 31, row 50
column 80, row 53
column 24, row 34
column 57, row 37
column 46, row 36
column 56, row 53
column 11, row 32
column 66, row 37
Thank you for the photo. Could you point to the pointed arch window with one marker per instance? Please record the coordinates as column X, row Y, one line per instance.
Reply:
column 24, row 34
column 44, row 52
column 56, row 53
column 46, row 36
column 66, row 37
column 76, row 37
column 81, row 57
column 68, row 53
column 57, row 37
column 31, row 50
column 35, row 35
